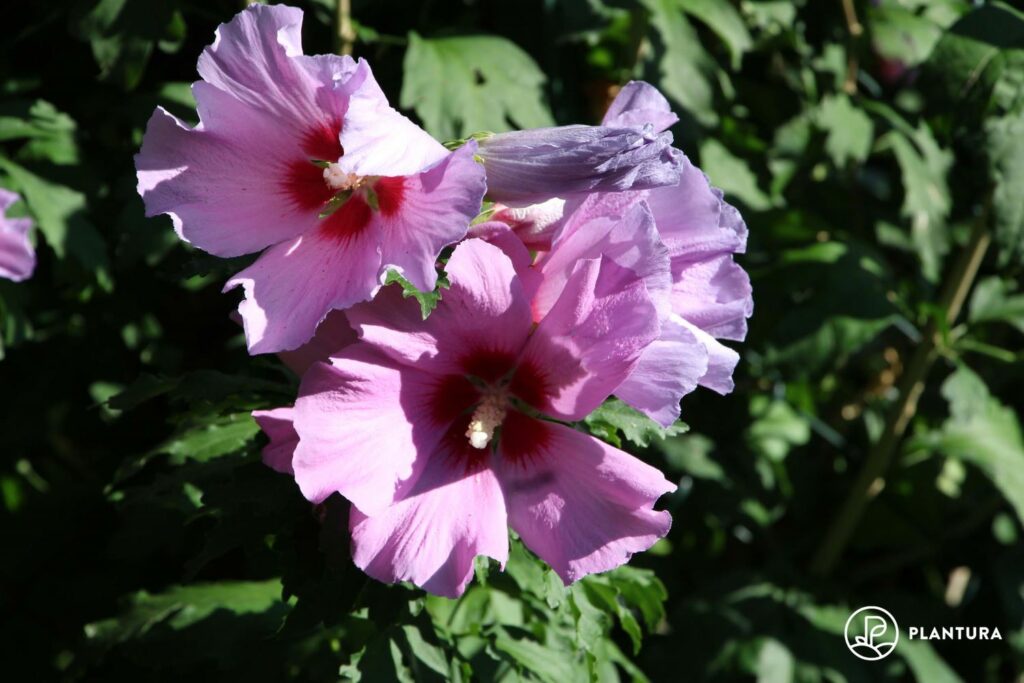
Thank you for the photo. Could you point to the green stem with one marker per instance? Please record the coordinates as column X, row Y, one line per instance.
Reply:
column 871, row 478
column 346, row 33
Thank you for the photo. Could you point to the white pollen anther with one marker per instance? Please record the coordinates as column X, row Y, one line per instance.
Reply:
column 487, row 417
column 338, row 179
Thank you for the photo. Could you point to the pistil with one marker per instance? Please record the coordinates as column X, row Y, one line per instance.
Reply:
column 487, row 417
column 340, row 180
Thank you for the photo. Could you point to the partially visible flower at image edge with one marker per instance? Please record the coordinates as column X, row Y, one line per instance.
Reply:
column 17, row 256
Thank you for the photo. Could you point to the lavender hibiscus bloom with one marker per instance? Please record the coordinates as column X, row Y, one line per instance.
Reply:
column 301, row 156
column 709, row 297
column 455, row 410
column 531, row 166
column 622, row 227
column 711, row 293
column 17, row 257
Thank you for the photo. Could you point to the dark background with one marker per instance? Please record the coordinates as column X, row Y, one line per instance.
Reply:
column 876, row 150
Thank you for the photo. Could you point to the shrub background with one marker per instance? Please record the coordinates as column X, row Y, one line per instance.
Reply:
column 876, row 150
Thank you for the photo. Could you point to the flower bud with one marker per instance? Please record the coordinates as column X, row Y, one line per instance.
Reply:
column 531, row 166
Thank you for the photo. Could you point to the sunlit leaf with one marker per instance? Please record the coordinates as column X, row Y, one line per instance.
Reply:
column 468, row 84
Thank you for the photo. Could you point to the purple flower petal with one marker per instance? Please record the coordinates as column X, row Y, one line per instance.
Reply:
column 692, row 219
column 278, row 425
column 483, row 309
column 714, row 295
column 294, row 285
column 639, row 104
column 532, row 166
column 504, row 237
column 332, row 335
column 436, row 207
column 592, row 337
column 581, row 505
column 722, row 361
column 617, row 226
column 361, row 422
column 536, row 224
column 432, row 535
column 669, row 369
column 710, row 292
column 377, row 139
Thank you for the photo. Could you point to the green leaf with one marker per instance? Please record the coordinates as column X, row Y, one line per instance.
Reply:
column 843, row 305
column 691, row 454
column 548, row 664
column 985, row 433
column 427, row 300
column 429, row 654
column 776, row 428
column 850, row 131
column 123, row 34
column 224, row 436
column 641, row 590
column 1004, row 142
column 926, row 199
column 732, row 174
column 614, row 416
column 775, row 663
column 591, row 622
column 50, row 134
column 202, row 387
column 467, row 84
column 925, row 663
column 686, row 68
column 994, row 300
column 725, row 21
column 899, row 33
column 976, row 57
column 607, row 596
column 179, row 607
column 59, row 214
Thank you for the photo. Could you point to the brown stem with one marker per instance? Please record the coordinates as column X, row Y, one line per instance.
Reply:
column 854, row 28
column 346, row 32
column 870, row 480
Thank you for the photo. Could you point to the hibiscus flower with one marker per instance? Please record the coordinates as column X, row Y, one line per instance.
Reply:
column 445, row 432
column 301, row 158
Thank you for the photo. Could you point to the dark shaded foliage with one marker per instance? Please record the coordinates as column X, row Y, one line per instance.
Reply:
column 870, row 145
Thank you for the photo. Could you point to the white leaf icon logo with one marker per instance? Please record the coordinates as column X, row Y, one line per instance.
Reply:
column 874, row 635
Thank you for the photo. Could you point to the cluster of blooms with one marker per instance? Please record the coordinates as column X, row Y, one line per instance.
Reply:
column 17, row 257
column 599, row 264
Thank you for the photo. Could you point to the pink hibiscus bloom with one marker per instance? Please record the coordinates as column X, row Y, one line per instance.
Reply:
column 302, row 158
column 442, row 435
column 333, row 334
column 17, row 257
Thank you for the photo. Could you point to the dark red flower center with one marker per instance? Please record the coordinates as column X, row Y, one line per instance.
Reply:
column 313, row 181
column 492, row 401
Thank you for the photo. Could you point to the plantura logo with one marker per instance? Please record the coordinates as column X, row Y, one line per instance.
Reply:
column 871, row 633
column 954, row 633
